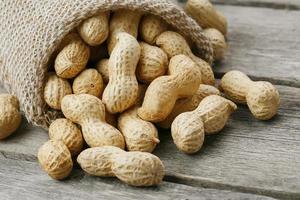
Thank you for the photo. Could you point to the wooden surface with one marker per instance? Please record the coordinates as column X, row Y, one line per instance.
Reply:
column 250, row 159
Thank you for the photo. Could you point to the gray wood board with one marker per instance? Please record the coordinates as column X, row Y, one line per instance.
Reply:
column 24, row 180
column 248, row 156
column 277, row 4
column 263, row 43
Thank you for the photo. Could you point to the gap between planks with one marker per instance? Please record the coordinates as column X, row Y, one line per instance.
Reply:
column 261, row 159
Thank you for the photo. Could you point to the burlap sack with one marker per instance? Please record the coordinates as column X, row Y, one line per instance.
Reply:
column 31, row 30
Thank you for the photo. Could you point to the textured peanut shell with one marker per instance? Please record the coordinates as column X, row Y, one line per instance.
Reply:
column 55, row 158
column 210, row 117
column 72, row 59
column 68, row 133
column 262, row 98
column 183, row 80
column 189, row 104
column 139, row 135
column 95, row 30
column 89, row 112
column 10, row 116
column 151, row 27
column 55, row 89
column 88, row 82
column 218, row 42
column 235, row 85
column 102, row 67
column 153, row 63
column 174, row 44
column 97, row 161
column 122, row 89
column 123, row 21
column 138, row 168
column 206, row 15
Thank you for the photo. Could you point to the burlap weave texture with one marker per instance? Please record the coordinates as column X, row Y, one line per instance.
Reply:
column 31, row 30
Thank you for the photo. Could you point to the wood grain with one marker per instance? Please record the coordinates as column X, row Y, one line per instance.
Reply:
column 264, row 43
column 25, row 180
column 248, row 156
column 277, row 4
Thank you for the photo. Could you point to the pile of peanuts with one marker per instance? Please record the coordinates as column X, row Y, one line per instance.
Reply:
column 144, row 76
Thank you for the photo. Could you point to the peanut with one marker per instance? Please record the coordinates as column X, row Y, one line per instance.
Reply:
column 97, row 161
column 122, row 89
column 189, row 104
column 55, row 89
column 10, row 116
column 151, row 27
column 261, row 97
column 174, row 44
column 188, row 129
column 102, row 67
column 183, row 80
column 133, row 168
column 123, row 21
column 68, row 133
column 72, row 59
column 139, row 135
column 153, row 63
column 88, row 82
column 95, row 30
column 55, row 158
column 89, row 112
column 218, row 42
column 206, row 15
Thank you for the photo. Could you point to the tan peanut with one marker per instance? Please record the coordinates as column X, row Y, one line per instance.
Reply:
column 123, row 21
column 95, row 30
column 89, row 112
column 153, row 63
column 55, row 89
column 139, row 135
column 174, row 44
column 102, row 67
column 133, row 168
column 151, row 27
column 55, row 158
column 189, row 128
column 72, row 59
column 189, row 104
column 218, row 42
column 68, row 133
column 206, row 15
column 261, row 97
column 88, row 82
column 10, row 116
column 122, row 90
column 183, row 81
column 97, row 161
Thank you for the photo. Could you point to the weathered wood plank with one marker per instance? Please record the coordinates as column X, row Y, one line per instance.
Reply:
column 24, row 180
column 264, row 43
column 249, row 155
column 277, row 4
